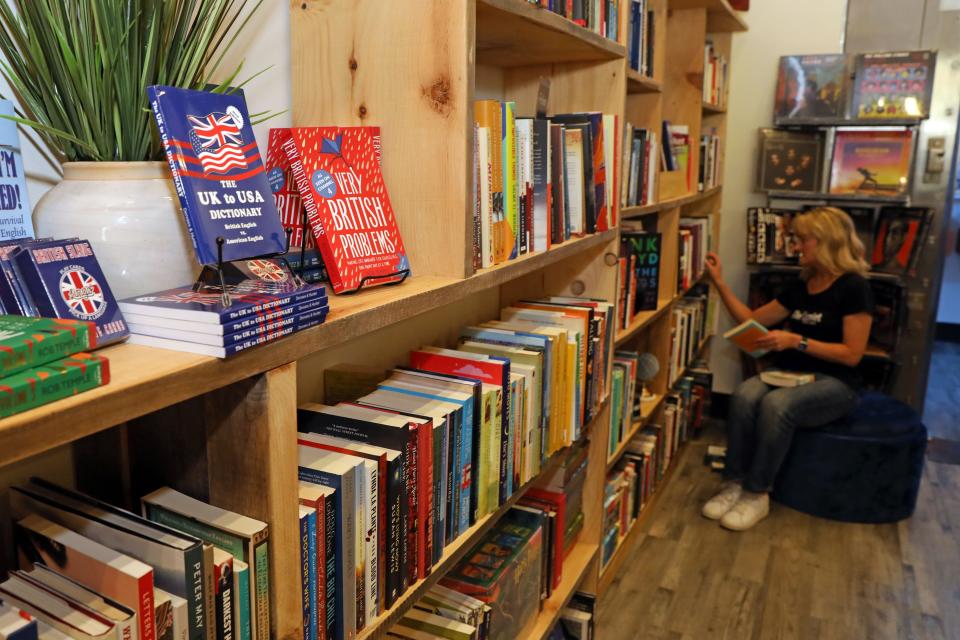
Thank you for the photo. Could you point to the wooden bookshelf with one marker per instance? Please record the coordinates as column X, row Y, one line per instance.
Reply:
column 225, row 430
column 709, row 107
column 647, row 410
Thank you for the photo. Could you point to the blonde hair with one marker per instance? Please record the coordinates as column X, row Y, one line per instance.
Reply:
column 839, row 250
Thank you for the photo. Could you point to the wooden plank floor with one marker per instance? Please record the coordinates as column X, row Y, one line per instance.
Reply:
column 793, row 576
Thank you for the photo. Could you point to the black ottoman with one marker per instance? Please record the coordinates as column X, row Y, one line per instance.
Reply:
column 864, row 468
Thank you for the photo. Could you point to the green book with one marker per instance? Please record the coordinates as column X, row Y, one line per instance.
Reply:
column 55, row 380
column 241, row 594
column 244, row 538
column 31, row 342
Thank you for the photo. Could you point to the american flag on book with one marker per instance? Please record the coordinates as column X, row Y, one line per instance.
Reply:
column 217, row 142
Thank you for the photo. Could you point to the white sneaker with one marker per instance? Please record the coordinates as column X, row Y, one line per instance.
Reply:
column 750, row 509
column 723, row 501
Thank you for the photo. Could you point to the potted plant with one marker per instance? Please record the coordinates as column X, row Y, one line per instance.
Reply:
column 79, row 70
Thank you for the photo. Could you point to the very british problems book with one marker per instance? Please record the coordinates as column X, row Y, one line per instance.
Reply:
column 337, row 174
column 218, row 173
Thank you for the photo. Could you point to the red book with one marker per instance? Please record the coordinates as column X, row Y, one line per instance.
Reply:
column 558, row 501
column 337, row 173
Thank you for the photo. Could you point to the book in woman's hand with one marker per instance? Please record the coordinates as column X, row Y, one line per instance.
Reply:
column 745, row 336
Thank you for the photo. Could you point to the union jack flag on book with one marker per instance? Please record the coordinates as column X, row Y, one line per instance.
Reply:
column 218, row 173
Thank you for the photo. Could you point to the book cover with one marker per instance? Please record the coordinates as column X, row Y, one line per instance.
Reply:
column 812, row 88
column 247, row 539
column 15, row 218
column 745, row 336
column 248, row 298
column 218, row 173
column 37, row 386
column 898, row 238
column 337, row 172
column 871, row 162
column 289, row 204
column 308, row 570
column 30, row 342
column 790, row 160
column 646, row 248
column 893, row 86
column 64, row 280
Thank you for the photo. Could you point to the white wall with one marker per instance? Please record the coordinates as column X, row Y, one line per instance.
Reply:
column 777, row 27
column 265, row 43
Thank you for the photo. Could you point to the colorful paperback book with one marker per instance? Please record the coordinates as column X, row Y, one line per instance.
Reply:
column 30, row 342
column 15, row 219
column 248, row 299
column 64, row 280
column 218, row 173
column 337, row 172
column 37, row 386
column 265, row 330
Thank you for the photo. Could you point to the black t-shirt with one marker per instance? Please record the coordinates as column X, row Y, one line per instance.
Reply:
column 820, row 317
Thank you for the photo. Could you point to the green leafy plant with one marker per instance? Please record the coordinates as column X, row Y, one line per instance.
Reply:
column 80, row 68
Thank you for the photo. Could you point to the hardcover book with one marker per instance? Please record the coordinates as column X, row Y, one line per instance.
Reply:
column 790, row 160
column 15, row 219
column 812, row 88
column 64, row 280
column 337, row 172
column 29, row 342
column 893, row 86
column 217, row 170
column 871, row 162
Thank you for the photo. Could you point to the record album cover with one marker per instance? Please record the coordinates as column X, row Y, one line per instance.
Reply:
column 812, row 88
column 893, row 86
column 871, row 162
column 790, row 161
column 899, row 236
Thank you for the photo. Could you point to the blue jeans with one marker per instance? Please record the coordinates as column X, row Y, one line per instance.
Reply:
column 762, row 419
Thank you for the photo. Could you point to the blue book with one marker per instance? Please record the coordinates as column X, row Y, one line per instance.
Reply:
column 15, row 220
column 308, row 570
column 218, row 173
column 636, row 28
column 13, row 298
column 64, row 280
column 340, row 472
column 247, row 299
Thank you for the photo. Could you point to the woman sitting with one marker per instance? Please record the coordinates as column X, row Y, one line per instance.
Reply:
column 828, row 312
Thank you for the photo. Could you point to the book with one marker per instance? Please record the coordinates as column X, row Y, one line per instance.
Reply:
column 872, row 162
column 218, row 173
column 64, row 280
column 790, row 161
column 267, row 320
column 15, row 218
column 172, row 615
column 178, row 559
column 893, row 86
column 52, row 381
column 30, row 342
column 645, row 250
column 899, row 237
column 124, row 617
column 223, row 594
column 120, row 577
column 744, row 335
column 17, row 625
column 308, row 570
column 337, row 173
column 59, row 611
column 247, row 539
column 437, row 626
column 812, row 88
column 315, row 497
column 776, row 378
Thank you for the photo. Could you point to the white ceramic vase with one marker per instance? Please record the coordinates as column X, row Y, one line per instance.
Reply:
column 130, row 213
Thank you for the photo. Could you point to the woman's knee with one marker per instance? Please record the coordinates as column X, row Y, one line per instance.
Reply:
column 749, row 393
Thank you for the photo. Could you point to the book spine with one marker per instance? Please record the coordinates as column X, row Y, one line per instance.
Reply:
column 466, row 467
column 48, row 383
column 193, row 570
column 513, row 400
column 241, row 599
column 258, row 557
column 454, row 446
column 425, row 505
column 372, row 542
column 326, row 623
column 439, row 490
column 209, row 593
column 27, row 351
column 306, row 591
column 498, row 480
column 410, row 523
column 185, row 204
column 313, row 214
column 223, row 576
column 394, row 530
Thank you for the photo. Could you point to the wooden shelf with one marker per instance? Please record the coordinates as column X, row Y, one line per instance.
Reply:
column 710, row 108
column 575, row 567
column 639, row 83
column 644, row 318
column 830, row 197
column 721, row 18
column 512, row 33
column 624, row 549
column 672, row 203
column 647, row 409
column 145, row 379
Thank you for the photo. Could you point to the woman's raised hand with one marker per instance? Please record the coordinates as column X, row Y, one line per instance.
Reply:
column 714, row 268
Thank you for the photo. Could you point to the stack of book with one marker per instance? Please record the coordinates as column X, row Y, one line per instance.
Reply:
column 199, row 322
column 695, row 242
column 715, row 67
column 45, row 359
column 638, row 162
column 577, row 618
column 421, row 456
column 49, row 278
column 639, row 283
column 445, row 613
column 540, row 181
column 708, row 175
column 640, row 40
column 185, row 571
